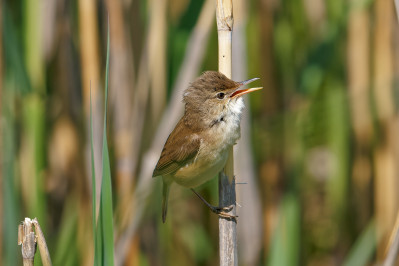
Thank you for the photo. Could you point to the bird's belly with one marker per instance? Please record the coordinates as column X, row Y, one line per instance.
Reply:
column 200, row 171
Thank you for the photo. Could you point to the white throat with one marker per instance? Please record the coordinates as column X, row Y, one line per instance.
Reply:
column 229, row 124
column 235, row 107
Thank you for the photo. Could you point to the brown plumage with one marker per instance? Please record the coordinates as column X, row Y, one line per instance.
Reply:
column 171, row 157
column 196, row 150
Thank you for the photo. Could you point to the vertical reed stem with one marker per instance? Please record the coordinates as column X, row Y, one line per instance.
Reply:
column 227, row 193
column 26, row 238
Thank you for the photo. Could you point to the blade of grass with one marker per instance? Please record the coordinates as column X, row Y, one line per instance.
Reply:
column 97, row 247
column 106, row 186
column 103, row 231
column 364, row 248
column 99, row 256
column 66, row 250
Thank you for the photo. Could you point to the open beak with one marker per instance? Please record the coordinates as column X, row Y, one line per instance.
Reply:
column 239, row 93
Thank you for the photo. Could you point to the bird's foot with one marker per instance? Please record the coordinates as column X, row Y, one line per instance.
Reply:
column 221, row 211
column 224, row 212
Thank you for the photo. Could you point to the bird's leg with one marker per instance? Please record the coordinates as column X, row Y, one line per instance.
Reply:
column 221, row 211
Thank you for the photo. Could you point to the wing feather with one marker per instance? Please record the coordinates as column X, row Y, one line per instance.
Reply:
column 180, row 148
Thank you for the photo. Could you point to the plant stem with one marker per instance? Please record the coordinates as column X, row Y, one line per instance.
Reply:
column 41, row 241
column 227, row 193
column 26, row 238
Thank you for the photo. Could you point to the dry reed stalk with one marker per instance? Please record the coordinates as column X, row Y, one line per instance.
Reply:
column 130, row 117
column 89, row 60
column 41, row 242
column 383, row 71
column 28, row 240
column 88, row 35
column 191, row 65
column 358, row 50
column 157, row 56
column 386, row 196
column 227, row 193
column 358, row 67
column 120, row 81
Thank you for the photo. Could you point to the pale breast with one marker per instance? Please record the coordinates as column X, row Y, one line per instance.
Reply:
column 200, row 171
column 211, row 158
column 213, row 152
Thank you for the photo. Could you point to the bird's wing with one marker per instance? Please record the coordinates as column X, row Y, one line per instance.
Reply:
column 180, row 149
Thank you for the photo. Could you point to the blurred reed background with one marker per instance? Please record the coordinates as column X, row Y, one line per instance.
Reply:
column 319, row 149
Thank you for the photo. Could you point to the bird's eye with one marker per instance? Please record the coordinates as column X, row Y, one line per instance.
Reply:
column 220, row 95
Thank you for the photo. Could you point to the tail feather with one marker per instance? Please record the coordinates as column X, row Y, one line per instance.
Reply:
column 165, row 196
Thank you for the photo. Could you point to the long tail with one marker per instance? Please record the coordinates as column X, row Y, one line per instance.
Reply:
column 165, row 196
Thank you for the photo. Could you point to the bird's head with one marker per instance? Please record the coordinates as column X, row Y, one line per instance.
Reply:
column 212, row 96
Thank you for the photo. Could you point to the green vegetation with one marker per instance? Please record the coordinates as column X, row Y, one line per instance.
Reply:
column 323, row 131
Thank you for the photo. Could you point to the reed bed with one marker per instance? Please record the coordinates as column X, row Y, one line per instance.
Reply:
column 316, row 172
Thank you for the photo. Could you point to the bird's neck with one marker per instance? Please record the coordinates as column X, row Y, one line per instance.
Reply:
column 222, row 121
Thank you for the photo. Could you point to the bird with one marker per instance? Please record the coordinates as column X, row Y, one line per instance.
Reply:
column 197, row 148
